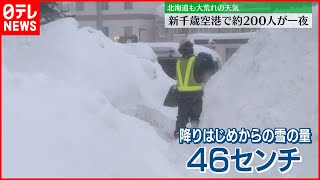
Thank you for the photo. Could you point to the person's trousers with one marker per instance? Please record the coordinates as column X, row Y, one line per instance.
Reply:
column 189, row 109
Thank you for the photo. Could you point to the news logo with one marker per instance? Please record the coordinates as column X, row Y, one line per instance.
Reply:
column 20, row 18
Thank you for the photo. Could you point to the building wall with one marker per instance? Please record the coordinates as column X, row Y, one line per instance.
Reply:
column 138, row 8
column 116, row 28
column 142, row 16
column 92, row 24
column 90, row 8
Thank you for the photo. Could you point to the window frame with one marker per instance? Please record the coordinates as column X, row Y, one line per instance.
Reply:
column 104, row 5
column 201, row 30
column 124, row 31
column 224, row 30
column 162, row 27
column 78, row 7
column 128, row 6
column 179, row 29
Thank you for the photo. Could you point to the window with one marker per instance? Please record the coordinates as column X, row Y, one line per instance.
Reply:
column 193, row 30
column 203, row 30
column 105, row 6
column 128, row 5
column 224, row 30
column 105, row 31
column 182, row 31
column 213, row 30
column 248, row 30
column 102, row 6
column 236, row 30
column 128, row 31
column 163, row 32
column 79, row 6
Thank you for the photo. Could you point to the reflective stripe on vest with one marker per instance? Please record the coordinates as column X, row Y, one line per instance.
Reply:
column 185, row 86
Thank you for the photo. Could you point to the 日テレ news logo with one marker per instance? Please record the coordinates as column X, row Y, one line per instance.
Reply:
column 20, row 18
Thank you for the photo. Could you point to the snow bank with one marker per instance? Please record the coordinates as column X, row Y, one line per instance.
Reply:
column 268, row 83
column 141, row 50
column 67, row 99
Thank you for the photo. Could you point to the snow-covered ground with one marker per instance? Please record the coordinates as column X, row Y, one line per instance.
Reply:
column 76, row 104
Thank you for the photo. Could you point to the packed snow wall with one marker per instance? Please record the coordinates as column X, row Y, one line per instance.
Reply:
column 76, row 104
column 271, row 82
column 68, row 96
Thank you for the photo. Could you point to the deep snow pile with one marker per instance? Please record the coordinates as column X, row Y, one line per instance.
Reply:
column 141, row 50
column 67, row 100
column 270, row 82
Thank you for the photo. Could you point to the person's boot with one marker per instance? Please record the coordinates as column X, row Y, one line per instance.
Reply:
column 195, row 124
column 176, row 131
column 175, row 135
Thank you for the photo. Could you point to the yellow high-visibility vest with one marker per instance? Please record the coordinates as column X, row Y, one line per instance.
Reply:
column 186, row 82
